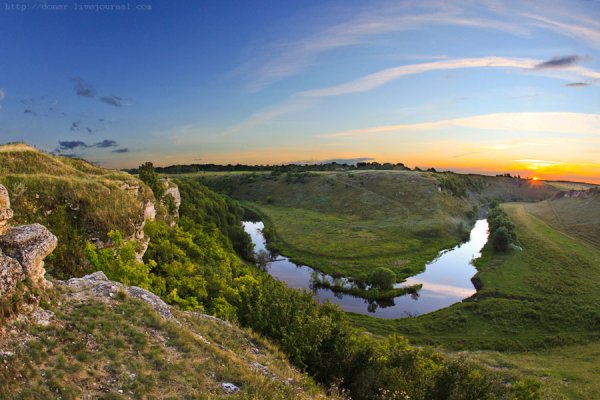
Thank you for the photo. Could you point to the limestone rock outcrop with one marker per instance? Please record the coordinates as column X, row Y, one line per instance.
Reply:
column 172, row 190
column 5, row 212
column 100, row 287
column 22, row 250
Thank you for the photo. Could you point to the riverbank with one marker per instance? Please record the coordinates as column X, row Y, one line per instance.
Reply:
column 446, row 280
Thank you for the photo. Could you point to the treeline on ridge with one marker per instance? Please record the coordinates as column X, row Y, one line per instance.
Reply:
column 330, row 166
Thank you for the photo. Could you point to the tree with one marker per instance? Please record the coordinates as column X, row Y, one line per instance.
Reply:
column 148, row 175
column 119, row 263
column 382, row 278
column 501, row 238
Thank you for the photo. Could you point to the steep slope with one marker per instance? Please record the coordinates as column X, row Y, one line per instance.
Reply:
column 77, row 201
column 100, row 339
column 94, row 338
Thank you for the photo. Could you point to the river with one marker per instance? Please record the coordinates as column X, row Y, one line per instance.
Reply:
column 446, row 280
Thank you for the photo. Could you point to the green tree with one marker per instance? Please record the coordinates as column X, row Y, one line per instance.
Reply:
column 382, row 278
column 148, row 175
column 501, row 239
column 119, row 262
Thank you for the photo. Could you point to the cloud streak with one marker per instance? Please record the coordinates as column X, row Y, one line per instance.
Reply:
column 558, row 62
column 294, row 104
column 115, row 101
column 380, row 78
column 578, row 84
column 282, row 59
column 546, row 122
column 70, row 145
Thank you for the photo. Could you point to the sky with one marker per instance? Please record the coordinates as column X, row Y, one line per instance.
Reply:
column 484, row 86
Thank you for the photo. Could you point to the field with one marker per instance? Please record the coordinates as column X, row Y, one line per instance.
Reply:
column 348, row 223
column 539, row 307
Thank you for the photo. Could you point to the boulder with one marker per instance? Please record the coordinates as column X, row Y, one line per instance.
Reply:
column 99, row 286
column 29, row 245
column 5, row 212
column 22, row 250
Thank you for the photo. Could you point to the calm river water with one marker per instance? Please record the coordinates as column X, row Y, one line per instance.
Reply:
column 446, row 280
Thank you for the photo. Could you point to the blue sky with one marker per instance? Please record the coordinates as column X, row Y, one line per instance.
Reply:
column 483, row 86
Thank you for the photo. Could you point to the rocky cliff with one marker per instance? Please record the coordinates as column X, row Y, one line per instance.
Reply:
column 22, row 250
column 95, row 338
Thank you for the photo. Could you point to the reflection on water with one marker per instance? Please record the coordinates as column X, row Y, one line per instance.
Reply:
column 446, row 280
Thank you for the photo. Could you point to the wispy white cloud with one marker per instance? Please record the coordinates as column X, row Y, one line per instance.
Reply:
column 545, row 122
column 372, row 81
column 377, row 79
column 286, row 58
column 2, row 94
column 293, row 104
column 585, row 29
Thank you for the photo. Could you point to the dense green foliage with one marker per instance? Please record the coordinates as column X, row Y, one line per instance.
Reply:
column 148, row 175
column 382, row 278
column 119, row 263
column 204, row 207
column 502, row 230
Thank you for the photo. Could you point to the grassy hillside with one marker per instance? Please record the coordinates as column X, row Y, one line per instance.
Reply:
column 74, row 199
column 533, row 302
column 348, row 223
column 543, row 296
column 120, row 348
column 576, row 213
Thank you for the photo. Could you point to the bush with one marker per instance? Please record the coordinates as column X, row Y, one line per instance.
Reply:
column 502, row 230
column 382, row 278
column 150, row 178
column 500, row 239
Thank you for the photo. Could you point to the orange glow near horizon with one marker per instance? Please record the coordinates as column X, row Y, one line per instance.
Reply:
column 477, row 163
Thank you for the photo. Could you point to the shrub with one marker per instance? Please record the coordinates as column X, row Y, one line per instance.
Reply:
column 502, row 230
column 382, row 278
column 150, row 178
column 500, row 239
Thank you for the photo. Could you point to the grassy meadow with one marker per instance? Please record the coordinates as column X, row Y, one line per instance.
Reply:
column 349, row 223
